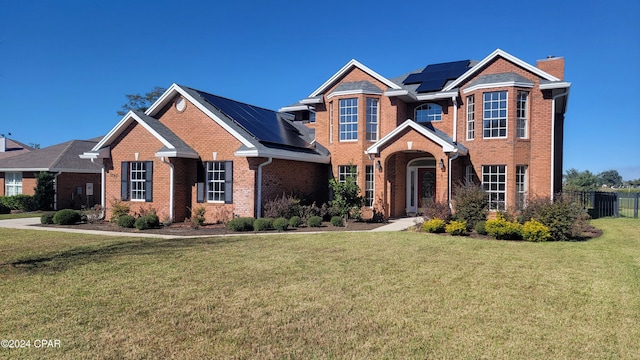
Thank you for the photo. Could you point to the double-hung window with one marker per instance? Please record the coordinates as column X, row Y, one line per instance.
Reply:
column 348, row 121
column 471, row 125
column 136, row 180
column 521, row 186
column 372, row 119
column 368, row 186
column 215, row 182
column 12, row 183
column 522, row 114
column 494, row 183
column 494, row 118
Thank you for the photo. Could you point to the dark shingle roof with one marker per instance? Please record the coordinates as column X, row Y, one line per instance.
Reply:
column 14, row 148
column 500, row 78
column 59, row 157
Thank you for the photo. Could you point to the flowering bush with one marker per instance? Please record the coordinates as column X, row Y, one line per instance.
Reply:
column 535, row 231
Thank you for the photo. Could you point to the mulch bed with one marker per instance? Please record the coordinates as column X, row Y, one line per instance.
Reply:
column 185, row 229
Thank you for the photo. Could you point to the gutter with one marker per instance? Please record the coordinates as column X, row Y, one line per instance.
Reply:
column 102, row 188
column 55, row 190
column 451, row 158
column 171, row 186
column 553, row 138
column 259, row 183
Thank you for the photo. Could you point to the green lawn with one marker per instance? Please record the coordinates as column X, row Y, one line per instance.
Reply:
column 332, row 295
column 20, row 215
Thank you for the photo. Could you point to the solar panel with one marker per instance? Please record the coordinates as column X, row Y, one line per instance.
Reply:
column 434, row 77
column 263, row 124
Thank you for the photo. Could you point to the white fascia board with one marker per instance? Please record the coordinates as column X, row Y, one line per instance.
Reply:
column 176, row 153
column 294, row 108
column 446, row 147
column 176, row 89
column 314, row 100
column 555, row 85
column 353, row 92
column 102, row 153
column 345, row 69
column 506, row 56
column 152, row 131
column 292, row 156
column 438, row 95
column 497, row 85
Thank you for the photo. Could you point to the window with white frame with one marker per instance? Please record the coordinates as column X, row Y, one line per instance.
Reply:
column 522, row 114
column 346, row 171
column 137, row 180
column 471, row 126
column 494, row 183
column 428, row 113
column 372, row 119
column 348, row 121
column 494, row 118
column 521, row 186
column 215, row 181
column 369, row 185
column 12, row 183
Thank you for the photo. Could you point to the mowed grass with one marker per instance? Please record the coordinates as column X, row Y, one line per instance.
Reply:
column 332, row 295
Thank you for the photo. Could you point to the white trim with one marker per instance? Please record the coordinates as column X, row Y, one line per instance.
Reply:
column 555, row 85
column 353, row 92
column 446, row 147
column 175, row 153
column 294, row 157
column 500, row 53
column 121, row 126
column 438, row 95
column 498, row 85
column 295, row 108
column 176, row 89
column 314, row 100
column 345, row 69
column 409, row 168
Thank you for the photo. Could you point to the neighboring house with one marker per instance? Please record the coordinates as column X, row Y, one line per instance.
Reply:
column 192, row 149
column 77, row 181
column 412, row 138
column 9, row 147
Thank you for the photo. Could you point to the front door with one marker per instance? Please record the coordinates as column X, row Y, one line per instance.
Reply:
column 426, row 186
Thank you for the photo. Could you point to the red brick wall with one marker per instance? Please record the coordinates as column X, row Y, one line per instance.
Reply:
column 66, row 190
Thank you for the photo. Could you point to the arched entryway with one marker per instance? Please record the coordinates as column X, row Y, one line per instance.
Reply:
column 421, row 182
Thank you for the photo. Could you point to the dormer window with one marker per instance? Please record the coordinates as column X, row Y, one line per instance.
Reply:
column 428, row 113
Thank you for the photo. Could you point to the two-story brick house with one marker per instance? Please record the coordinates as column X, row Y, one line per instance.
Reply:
column 411, row 138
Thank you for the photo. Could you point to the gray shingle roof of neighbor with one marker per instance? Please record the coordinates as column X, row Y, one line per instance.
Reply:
column 179, row 144
column 499, row 78
column 14, row 148
column 357, row 85
column 60, row 157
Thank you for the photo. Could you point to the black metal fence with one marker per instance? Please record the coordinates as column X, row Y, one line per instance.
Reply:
column 603, row 203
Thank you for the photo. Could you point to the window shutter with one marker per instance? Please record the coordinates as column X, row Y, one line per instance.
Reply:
column 124, row 181
column 228, row 182
column 200, row 178
column 148, row 181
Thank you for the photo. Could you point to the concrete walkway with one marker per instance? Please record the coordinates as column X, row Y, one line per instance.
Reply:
column 28, row 224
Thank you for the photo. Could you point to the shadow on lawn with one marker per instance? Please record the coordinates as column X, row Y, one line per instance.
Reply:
column 60, row 261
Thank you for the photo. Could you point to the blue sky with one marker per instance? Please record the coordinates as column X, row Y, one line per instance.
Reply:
column 65, row 66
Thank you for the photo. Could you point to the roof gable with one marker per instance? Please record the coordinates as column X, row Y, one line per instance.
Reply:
column 345, row 69
column 434, row 135
column 491, row 57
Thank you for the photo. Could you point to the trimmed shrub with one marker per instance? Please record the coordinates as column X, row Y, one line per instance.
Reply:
column 126, row 221
column 4, row 209
column 456, row 228
column 19, row 202
column 480, row 227
column 241, row 224
column 280, row 224
column 66, row 217
column 46, row 219
column 560, row 217
column 337, row 221
column 295, row 221
column 470, row 203
column 535, row 231
column 314, row 221
column 502, row 229
column 433, row 226
column 147, row 222
column 263, row 224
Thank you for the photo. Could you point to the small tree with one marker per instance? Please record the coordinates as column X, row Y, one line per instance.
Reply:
column 346, row 195
column 471, row 203
column 45, row 191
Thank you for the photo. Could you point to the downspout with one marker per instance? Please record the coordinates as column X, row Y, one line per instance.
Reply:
column 259, row 197
column 170, row 186
column 102, row 188
column 55, row 190
column 553, row 138
column 455, row 118
column 451, row 158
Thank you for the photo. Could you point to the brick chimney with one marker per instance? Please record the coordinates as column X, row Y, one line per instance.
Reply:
column 553, row 65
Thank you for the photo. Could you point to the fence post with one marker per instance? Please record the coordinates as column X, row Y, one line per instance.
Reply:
column 635, row 205
column 616, row 207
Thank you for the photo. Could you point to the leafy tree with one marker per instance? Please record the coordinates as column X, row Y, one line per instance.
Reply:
column 138, row 102
column 346, row 195
column 580, row 180
column 610, row 178
column 45, row 191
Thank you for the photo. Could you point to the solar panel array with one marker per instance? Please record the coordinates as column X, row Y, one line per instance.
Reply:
column 263, row 124
column 434, row 77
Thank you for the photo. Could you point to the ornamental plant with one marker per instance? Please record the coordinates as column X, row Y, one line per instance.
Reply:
column 280, row 224
column 456, row 228
column 502, row 229
column 433, row 226
column 535, row 231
